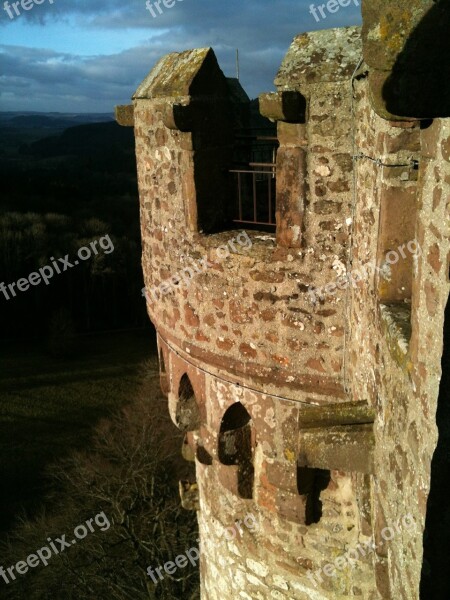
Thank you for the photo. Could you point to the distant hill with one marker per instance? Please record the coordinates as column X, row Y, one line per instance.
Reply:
column 59, row 187
column 94, row 139
column 20, row 128
column 50, row 120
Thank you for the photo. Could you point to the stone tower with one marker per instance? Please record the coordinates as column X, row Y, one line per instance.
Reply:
column 303, row 361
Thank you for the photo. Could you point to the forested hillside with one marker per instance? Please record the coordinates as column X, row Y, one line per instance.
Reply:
column 59, row 192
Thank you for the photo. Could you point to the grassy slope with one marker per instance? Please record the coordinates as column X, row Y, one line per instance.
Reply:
column 48, row 407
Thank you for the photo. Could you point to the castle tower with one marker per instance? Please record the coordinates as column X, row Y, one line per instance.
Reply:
column 301, row 360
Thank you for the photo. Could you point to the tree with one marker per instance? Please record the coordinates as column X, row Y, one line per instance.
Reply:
column 131, row 474
column 61, row 341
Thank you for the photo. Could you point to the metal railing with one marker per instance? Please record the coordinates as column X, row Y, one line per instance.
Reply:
column 256, row 181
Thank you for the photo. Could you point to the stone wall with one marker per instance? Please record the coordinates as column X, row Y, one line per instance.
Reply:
column 250, row 312
column 314, row 412
column 398, row 369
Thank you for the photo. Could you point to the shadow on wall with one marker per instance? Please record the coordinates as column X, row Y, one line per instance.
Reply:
column 419, row 84
column 435, row 583
column 311, row 482
column 235, row 447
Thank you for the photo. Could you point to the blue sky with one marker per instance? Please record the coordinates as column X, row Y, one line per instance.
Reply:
column 88, row 55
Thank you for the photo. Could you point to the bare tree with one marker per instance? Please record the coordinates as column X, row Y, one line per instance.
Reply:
column 131, row 474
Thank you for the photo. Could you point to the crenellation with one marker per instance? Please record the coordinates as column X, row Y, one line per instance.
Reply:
column 312, row 411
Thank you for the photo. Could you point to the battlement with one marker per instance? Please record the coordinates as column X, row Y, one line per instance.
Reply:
column 301, row 386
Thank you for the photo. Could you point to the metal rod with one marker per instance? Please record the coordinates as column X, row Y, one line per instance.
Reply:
column 254, row 197
column 267, row 138
column 248, row 171
column 269, row 183
column 253, row 222
column 240, row 195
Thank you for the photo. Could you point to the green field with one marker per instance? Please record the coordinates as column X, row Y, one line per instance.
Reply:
column 48, row 407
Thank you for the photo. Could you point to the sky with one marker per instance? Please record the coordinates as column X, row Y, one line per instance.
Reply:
column 89, row 55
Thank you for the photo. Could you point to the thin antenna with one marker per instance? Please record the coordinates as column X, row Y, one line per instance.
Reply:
column 237, row 63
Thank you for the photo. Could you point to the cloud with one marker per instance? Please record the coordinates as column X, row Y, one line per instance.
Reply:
column 67, row 83
column 118, row 14
column 70, row 81
column 259, row 18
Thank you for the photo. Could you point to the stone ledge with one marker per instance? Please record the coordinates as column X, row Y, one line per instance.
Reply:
column 124, row 114
column 289, row 106
column 248, row 374
column 348, row 448
column 347, row 413
column 189, row 495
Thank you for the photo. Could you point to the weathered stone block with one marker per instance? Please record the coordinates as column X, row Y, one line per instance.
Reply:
column 125, row 115
column 287, row 106
column 348, row 448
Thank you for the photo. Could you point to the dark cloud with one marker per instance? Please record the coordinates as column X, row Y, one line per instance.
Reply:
column 120, row 14
column 261, row 29
column 64, row 82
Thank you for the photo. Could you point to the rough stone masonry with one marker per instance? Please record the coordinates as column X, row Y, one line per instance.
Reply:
column 319, row 418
